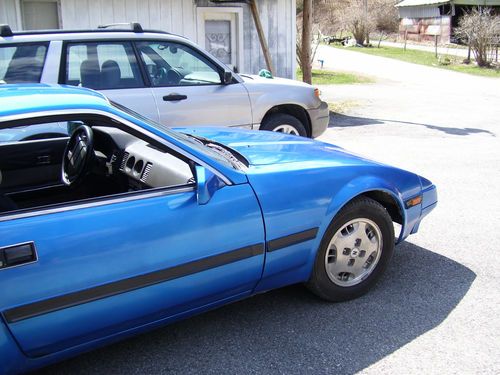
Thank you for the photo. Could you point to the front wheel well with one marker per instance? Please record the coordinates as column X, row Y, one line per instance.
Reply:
column 389, row 203
column 291, row 109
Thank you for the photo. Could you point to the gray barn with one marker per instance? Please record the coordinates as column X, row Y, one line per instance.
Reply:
column 225, row 29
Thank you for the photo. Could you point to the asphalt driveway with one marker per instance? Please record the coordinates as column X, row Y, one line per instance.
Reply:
column 437, row 308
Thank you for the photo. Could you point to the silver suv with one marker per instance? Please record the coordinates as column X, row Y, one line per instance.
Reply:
column 162, row 76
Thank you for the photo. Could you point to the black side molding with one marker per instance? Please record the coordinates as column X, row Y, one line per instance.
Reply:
column 34, row 309
column 292, row 239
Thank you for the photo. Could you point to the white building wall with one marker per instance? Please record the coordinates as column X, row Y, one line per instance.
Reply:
column 180, row 17
column 176, row 16
column 9, row 13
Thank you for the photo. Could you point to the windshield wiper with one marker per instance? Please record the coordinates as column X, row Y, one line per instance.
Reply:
column 235, row 162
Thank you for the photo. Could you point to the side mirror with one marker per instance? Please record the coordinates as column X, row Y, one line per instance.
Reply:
column 227, row 77
column 207, row 183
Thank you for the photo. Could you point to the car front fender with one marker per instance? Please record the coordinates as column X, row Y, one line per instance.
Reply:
column 367, row 184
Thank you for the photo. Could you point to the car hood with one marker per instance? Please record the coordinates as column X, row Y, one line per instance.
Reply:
column 265, row 148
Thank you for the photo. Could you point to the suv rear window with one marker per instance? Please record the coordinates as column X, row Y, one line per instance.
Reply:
column 22, row 63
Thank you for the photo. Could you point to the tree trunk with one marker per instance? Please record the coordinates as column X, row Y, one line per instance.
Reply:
column 306, row 41
column 380, row 39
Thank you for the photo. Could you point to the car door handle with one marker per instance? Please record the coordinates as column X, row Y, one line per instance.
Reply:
column 174, row 97
column 43, row 160
column 15, row 255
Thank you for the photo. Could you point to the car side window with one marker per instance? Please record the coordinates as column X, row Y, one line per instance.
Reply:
column 101, row 66
column 36, row 132
column 22, row 63
column 41, row 166
column 175, row 64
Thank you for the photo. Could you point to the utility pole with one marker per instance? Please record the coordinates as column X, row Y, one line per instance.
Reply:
column 306, row 41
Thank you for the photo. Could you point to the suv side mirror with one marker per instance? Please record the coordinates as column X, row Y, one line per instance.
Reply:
column 227, row 77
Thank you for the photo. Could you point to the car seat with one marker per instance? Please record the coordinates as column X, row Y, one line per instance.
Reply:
column 111, row 74
column 90, row 74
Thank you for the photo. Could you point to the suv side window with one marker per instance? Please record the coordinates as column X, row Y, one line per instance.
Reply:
column 103, row 65
column 175, row 64
column 22, row 63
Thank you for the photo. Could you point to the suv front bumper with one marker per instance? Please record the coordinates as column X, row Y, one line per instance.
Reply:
column 320, row 117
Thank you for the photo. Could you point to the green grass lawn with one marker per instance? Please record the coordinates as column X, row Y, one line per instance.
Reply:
column 427, row 58
column 327, row 77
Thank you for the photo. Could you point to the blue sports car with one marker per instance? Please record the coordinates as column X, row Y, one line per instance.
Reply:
column 125, row 225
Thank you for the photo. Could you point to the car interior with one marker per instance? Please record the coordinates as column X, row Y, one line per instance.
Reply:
column 44, row 168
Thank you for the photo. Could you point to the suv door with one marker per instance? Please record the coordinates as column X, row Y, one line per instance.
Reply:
column 188, row 89
column 110, row 67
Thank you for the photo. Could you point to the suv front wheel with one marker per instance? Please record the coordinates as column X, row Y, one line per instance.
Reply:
column 284, row 123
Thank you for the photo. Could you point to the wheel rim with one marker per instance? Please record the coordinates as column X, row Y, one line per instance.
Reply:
column 287, row 129
column 353, row 252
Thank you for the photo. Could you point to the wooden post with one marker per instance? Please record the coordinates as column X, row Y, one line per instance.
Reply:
column 406, row 35
column 436, row 45
column 306, row 41
column 262, row 37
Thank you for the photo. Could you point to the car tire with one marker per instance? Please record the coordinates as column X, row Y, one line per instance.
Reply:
column 354, row 251
column 284, row 123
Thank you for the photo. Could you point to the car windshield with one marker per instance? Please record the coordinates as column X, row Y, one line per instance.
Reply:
column 221, row 153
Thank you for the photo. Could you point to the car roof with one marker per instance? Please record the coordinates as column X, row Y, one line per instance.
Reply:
column 30, row 98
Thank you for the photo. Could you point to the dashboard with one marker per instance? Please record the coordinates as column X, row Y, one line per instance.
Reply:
column 141, row 162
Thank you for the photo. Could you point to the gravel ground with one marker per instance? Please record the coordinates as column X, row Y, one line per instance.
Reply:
column 436, row 310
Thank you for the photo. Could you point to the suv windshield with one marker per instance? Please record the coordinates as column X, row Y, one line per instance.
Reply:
column 22, row 63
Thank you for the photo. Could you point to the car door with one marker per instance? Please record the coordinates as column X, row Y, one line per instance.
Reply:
column 188, row 90
column 112, row 68
column 86, row 270
column 31, row 156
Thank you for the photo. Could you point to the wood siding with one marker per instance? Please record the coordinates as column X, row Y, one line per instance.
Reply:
column 170, row 15
column 9, row 13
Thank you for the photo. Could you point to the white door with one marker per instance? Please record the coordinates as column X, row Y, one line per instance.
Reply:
column 220, row 34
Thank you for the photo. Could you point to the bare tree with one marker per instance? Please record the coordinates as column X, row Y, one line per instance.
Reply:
column 306, row 45
column 306, row 41
column 357, row 20
column 480, row 29
column 386, row 18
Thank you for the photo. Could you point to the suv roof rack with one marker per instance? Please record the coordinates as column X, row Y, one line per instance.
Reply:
column 5, row 30
column 135, row 26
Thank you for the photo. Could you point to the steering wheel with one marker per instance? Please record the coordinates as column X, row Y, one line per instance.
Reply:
column 78, row 155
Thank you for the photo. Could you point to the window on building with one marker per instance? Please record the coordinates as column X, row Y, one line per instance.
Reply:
column 40, row 15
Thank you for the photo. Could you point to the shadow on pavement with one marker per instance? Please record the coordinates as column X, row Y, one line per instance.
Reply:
column 291, row 331
column 341, row 120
